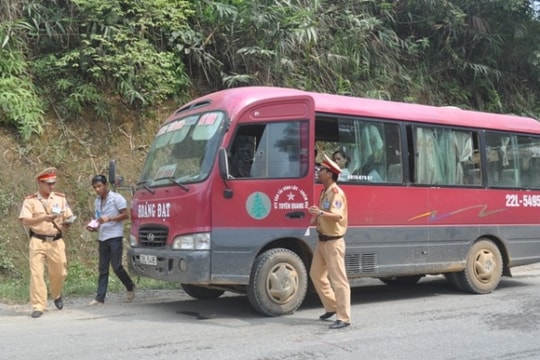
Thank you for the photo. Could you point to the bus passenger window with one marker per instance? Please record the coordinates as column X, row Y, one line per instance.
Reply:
column 531, row 176
column 374, row 167
column 445, row 157
column 529, row 161
column 378, row 148
column 270, row 150
column 371, row 145
column 395, row 173
column 503, row 160
column 363, row 149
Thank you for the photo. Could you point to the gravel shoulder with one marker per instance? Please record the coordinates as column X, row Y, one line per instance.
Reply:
column 169, row 295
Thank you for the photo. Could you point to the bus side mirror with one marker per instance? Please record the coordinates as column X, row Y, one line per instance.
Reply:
column 224, row 172
column 117, row 181
column 114, row 179
column 223, row 164
column 112, row 171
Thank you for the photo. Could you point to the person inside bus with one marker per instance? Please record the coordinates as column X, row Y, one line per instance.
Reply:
column 242, row 154
column 374, row 169
column 342, row 160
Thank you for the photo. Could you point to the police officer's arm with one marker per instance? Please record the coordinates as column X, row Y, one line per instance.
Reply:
column 330, row 215
column 314, row 211
column 37, row 220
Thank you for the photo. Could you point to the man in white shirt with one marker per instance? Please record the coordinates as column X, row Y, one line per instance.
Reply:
column 110, row 212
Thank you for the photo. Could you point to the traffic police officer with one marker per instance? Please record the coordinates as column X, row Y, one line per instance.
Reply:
column 328, row 265
column 46, row 214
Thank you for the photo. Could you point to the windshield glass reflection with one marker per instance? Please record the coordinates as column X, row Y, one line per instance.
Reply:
column 184, row 150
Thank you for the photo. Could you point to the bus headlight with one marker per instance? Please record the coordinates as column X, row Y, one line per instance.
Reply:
column 200, row 241
column 133, row 241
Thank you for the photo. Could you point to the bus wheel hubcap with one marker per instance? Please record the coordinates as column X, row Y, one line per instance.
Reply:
column 282, row 283
column 484, row 265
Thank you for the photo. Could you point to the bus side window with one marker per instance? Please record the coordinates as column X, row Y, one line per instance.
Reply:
column 531, row 176
column 273, row 150
column 241, row 158
column 444, row 156
column 393, row 153
column 395, row 173
column 379, row 145
column 503, row 160
column 529, row 161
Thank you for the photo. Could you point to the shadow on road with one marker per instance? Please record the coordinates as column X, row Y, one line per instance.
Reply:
column 238, row 307
column 176, row 306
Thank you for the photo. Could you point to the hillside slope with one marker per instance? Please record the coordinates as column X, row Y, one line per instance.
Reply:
column 79, row 150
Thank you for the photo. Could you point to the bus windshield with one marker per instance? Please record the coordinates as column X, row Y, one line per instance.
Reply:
column 183, row 150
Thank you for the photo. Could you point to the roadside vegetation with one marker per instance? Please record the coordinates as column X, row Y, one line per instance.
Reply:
column 86, row 81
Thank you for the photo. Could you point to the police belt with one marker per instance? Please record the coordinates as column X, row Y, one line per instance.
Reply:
column 46, row 237
column 328, row 237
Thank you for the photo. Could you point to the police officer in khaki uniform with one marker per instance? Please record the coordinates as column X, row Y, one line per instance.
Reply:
column 328, row 265
column 46, row 214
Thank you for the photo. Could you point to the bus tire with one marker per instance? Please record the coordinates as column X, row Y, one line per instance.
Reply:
column 483, row 269
column 200, row 292
column 278, row 282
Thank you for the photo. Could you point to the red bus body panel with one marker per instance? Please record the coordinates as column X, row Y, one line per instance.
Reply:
column 403, row 229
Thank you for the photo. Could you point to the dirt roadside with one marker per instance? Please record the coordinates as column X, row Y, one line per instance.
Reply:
column 169, row 295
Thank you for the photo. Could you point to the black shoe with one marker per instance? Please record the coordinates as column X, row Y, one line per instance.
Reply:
column 59, row 303
column 327, row 315
column 338, row 324
column 36, row 314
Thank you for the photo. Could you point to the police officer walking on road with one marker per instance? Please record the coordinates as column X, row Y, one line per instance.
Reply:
column 46, row 214
column 328, row 265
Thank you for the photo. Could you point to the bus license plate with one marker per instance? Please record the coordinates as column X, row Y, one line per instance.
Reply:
column 148, row 260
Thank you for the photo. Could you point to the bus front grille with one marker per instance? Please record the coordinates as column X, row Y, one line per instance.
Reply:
column 153, row 236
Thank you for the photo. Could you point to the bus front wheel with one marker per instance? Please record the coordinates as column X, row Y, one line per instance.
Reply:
column 278, row 282
column 483, row 270
column 200, row 292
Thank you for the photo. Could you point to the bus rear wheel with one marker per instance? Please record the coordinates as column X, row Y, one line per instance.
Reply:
column 278, row 282
column 483, row 270
column 200, row 292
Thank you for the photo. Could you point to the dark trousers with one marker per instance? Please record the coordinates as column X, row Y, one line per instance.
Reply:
column 110, row 253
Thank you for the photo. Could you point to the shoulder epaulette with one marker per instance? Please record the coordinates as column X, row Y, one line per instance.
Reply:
column 59, row 194
column 31, row 196
column 335, row 190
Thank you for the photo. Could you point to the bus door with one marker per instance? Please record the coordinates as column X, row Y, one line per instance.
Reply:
column 271, row 165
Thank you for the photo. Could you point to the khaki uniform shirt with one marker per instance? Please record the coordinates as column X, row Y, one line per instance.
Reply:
column 333, row 200
column 36, row 205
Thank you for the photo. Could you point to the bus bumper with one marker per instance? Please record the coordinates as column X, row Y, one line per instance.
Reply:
column 186, row 267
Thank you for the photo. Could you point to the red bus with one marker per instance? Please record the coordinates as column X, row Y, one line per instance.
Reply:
column 221, row 203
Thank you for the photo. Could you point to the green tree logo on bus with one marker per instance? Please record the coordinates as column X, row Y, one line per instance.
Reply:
column 258, row 205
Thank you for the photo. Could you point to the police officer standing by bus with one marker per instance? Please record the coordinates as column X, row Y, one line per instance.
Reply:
column 46, row 214
column 328, row 265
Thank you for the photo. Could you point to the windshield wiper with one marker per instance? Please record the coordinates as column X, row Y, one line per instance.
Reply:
column 173, row 180
column 144, row 185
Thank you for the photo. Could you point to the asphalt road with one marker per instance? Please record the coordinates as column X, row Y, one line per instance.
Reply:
column 427, row 321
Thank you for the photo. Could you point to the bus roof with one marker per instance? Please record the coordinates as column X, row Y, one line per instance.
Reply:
column 234, row 100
